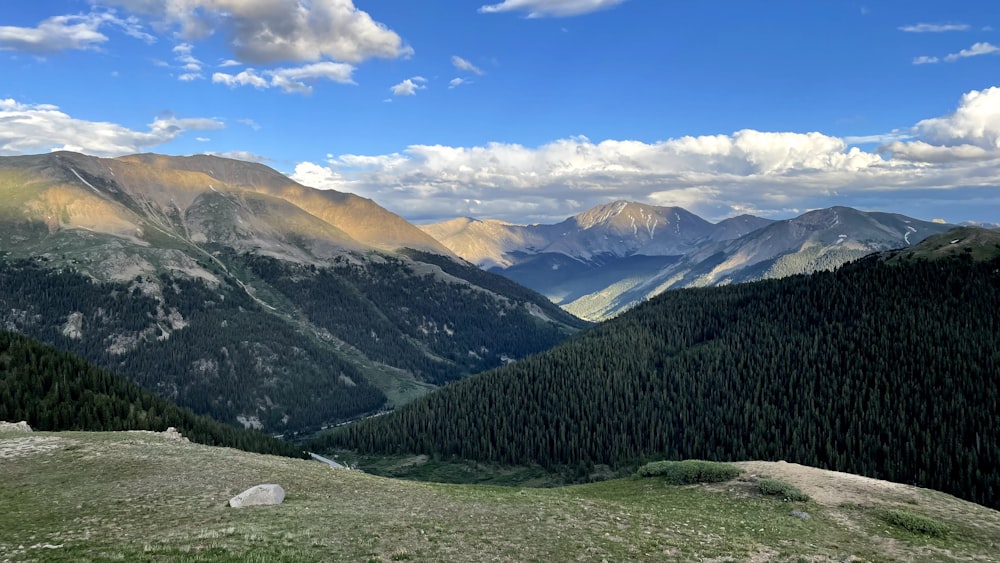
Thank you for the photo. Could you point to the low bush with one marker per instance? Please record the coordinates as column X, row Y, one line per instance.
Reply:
column 778, row 488
column 914, row 523
column 689, row 472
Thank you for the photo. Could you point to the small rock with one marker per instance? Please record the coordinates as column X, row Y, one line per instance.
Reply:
column 173, row 434
column 261, row 495
column 799, row 514
column 15, row 426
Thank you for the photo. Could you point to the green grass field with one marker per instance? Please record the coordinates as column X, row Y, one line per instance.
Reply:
column 141, row 497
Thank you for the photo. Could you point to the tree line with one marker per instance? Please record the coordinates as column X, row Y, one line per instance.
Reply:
column 54, row 391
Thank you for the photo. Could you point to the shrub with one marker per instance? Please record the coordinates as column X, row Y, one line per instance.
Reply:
column 914, row 523
column 690, row 471
column 778, row 488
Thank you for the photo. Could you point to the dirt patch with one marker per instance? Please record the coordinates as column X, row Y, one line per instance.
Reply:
column 830, row 488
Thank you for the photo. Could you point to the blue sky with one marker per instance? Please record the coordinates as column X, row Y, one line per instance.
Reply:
column 532, row 110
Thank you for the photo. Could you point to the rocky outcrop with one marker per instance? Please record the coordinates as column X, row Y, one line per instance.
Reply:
column 14, row 426
column 260, row 495
column 172, row 434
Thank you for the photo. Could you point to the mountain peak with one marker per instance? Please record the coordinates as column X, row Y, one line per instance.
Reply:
column 627, row 212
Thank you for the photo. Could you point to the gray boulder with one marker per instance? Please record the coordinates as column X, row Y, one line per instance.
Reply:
column 261, row 495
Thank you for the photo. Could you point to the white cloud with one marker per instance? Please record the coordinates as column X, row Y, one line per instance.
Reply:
column 188, row 64
column 293, row 79
column 934, row 27
column 33, row 128
column 554, row 8
column 290, row 80
column 229, row 63
column 64, row 33
column 456, row 82
column 183, row 55
column 309, row 174
column 976, row 122
column 248, row 77
column 925, row 60
column 714, row 175
column 920, row 151
column 462, row 64
column 272, row 31
column 250, row 123
column 409, row 86
column 976, row 50
column 55, row 34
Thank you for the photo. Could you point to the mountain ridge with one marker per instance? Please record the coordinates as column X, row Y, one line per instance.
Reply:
column 617, row 262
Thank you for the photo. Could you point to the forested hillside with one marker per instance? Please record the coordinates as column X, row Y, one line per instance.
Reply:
column 55, row 390
column 282, row 359
column 890, row 371
column 224, row 355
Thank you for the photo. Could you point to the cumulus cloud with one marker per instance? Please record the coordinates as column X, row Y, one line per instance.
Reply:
column 409, row 86
column 925, row 60
column 714, row 175
column 64, row 33
column 273, row 31
column 462, row 64
column 976, row 122
column 934, row 27
column 290, row 80
column 33, row 128
column 550, row 8
column 456, row 82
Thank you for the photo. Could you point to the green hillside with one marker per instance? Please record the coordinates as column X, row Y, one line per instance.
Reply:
column 975, row 242
column 77, row 496
column 882, row 370
column 54, row 390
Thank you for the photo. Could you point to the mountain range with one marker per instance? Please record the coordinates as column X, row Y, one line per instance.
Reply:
column 235, row 291
column 605, row 260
